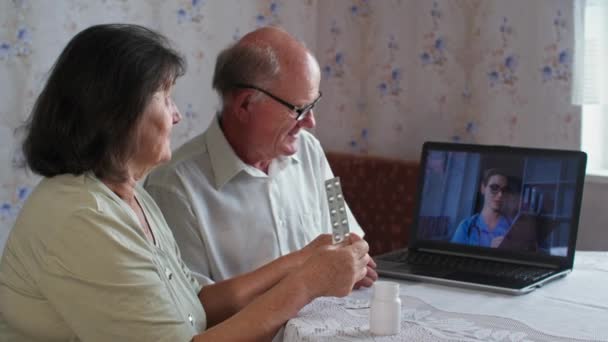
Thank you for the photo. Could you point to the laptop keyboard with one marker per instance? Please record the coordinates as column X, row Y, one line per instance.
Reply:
column 471, row 265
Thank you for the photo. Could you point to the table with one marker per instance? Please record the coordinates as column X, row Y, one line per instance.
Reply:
column 574, row 308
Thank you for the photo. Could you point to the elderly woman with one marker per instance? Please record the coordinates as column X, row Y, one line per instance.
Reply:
column 90, row 257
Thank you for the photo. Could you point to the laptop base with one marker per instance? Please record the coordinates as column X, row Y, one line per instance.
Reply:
column 463, row 276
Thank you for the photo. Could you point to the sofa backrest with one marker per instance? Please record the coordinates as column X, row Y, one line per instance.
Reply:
column 380, row 192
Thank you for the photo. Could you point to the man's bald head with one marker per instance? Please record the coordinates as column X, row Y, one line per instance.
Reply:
column 287, row 48
column 269, row 84
column 264, row 57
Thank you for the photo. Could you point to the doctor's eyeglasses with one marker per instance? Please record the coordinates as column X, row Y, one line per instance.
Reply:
column 495, row 188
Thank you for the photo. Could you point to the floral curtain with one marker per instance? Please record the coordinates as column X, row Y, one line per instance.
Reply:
column 395, row 72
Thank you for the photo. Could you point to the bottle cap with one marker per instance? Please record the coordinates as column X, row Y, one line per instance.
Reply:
column 386, row 289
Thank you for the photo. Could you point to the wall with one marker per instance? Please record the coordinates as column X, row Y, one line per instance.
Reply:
column 402, row 72
column 33, row 33
column 593, row 225
column 395, row 73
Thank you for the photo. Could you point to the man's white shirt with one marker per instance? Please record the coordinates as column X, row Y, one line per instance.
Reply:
column 230, row 218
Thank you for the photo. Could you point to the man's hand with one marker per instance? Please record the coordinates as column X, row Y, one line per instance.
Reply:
column 320, row 243
column 371, row 276
column 334, row 269
column 324, row 242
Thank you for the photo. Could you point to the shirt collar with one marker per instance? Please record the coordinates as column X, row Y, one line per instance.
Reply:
column 224, row 161
column 501, row 226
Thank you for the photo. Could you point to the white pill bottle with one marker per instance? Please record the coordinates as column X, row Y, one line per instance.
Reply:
column 385, row 309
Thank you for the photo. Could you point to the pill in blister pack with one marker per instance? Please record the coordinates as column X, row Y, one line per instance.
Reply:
column 337, row 212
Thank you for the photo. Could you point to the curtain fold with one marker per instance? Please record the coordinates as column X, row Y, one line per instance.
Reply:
column 590, row 72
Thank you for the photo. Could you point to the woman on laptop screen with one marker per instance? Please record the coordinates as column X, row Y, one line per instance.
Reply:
column 488, row 227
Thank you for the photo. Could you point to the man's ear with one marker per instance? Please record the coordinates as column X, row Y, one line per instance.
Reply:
column 242, row 105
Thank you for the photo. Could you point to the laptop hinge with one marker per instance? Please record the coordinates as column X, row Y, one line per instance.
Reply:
column 485, row 257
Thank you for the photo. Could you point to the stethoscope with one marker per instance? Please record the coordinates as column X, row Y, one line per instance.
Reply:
column 475, row 225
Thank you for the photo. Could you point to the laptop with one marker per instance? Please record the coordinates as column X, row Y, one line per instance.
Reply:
column 498, row 218
column 526, row 231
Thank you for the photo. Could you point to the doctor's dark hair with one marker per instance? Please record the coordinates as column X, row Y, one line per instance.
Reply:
column 85, row 118
column 492, row 172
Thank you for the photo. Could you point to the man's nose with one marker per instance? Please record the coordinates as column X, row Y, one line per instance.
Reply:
column 309, row 120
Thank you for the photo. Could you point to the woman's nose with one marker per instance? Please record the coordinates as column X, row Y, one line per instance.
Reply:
column 177, row 116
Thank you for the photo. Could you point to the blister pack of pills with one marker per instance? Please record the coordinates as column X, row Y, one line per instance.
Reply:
column 337, row 210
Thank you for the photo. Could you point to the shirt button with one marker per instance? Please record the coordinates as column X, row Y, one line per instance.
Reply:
column 191, row 319
column 168, row 273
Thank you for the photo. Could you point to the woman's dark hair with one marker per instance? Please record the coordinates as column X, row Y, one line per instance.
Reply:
column 86, row 116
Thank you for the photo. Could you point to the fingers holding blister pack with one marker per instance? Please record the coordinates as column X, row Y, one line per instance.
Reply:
column 337, row 210
column 341, row 266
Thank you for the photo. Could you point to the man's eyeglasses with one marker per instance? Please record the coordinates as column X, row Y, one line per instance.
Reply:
column 301, row 112
column 495, row 188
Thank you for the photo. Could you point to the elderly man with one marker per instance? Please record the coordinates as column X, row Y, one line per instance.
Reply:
column 251, row 188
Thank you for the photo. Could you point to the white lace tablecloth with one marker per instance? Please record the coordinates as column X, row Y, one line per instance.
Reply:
column 574, row 308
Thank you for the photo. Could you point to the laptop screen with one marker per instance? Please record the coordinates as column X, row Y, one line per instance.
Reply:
column 517, row 200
